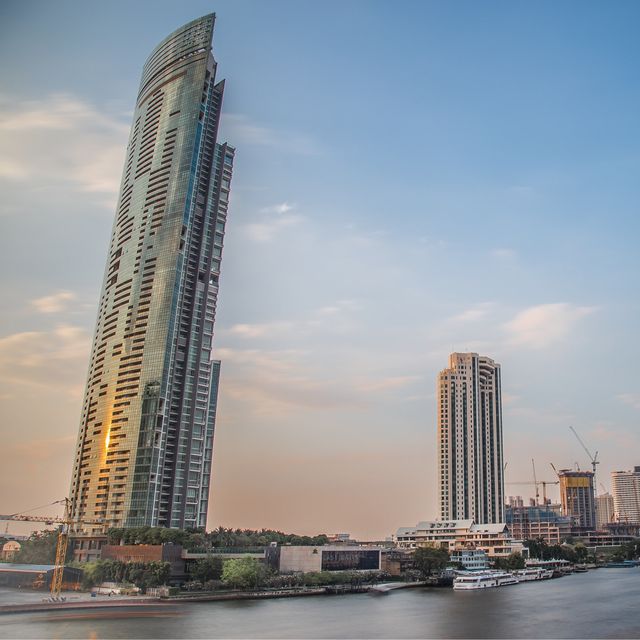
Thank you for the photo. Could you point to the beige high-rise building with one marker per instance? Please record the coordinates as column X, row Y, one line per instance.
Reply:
column 470, row 457
column 625, row 486
column 604, row 510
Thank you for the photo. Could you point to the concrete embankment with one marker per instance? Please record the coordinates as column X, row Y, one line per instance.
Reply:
column 85, row 605
column 152, row 604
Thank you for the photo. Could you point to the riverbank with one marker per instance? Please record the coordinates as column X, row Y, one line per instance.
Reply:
column 600, row 604
column 86, row 603
column 112, row 604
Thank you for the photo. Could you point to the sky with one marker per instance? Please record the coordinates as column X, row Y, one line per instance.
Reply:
column 411, row 179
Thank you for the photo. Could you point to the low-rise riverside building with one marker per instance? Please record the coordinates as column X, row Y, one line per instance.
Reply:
column 304, row 559
column 171, row 553
column 451, row 535
column 471, row 559
column 37, row 576
column 537, row 521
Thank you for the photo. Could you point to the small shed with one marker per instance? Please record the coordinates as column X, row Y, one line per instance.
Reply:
column 37, row 576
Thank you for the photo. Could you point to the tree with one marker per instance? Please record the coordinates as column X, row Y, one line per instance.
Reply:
column 537, row 548
column 512, row 562
column 209, row 568
column 243, row 573
column 40, row 548
column 429, row 560
column 582, row 553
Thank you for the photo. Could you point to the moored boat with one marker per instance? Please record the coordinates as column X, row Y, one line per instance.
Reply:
column 533, row 573
column 483, row 580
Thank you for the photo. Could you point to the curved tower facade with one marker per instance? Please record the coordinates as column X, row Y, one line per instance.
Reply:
column 145, row 443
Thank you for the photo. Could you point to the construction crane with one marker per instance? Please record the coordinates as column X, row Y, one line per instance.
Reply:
column 62, row 544
column 535, row 481
column 544, row 484
column 594, row 459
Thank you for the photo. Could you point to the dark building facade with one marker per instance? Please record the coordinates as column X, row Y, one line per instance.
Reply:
column 145, row 442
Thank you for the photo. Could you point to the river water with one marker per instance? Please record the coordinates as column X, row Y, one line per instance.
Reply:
column 598, row 604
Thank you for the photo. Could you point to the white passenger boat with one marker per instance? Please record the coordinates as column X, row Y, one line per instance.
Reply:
column 533, row 573
column 483, row 580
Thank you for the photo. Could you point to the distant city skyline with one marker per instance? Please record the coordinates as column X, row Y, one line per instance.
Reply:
column 409, row 182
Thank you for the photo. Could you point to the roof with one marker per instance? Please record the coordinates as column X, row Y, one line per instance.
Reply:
column 496, row 527
column 12, row 567
column 437, row 525
column 26, row 568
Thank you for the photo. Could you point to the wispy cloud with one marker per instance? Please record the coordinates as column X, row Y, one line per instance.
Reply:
column 55, row 303
column 386, row 384
column 56, row 358
column 545, row 324
column 272, row 220
column 281, row 208
column 240, row 130
column 474, row 313
column 631, row 399
column 63, row 141
column 258, row 330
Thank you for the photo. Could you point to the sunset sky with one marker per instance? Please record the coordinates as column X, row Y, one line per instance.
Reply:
column 411, row 178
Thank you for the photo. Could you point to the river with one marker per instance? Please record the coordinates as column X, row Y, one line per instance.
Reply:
column 597, row 604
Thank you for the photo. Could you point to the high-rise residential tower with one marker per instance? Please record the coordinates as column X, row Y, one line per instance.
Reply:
column 577, row 497
column 604, row 510
column 145, row 444
column 470, row 467
column 625, row 487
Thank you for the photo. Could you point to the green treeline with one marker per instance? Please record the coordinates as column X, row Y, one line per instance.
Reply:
column 540, row 550
column 249, row 573
column 39, row 548
column 221, row 537
column 141, row 574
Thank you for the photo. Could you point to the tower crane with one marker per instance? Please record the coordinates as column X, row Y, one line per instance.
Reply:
column 544, row 484
column 65, row 523
column 594, row 459
column 535, row 481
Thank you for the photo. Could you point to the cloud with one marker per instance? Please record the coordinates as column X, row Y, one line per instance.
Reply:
column 632, row 399
column 273, row 220
column 258, row 330
column 544, row 325
column 47, row 359
column 474, row 313
column 62, row 141
column 54, row 303
column 285, row 207
column 386, row 384
column 241, row 130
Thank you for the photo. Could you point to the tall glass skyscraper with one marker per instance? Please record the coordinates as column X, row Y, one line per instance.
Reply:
column 470, row 453
column 145, row 444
